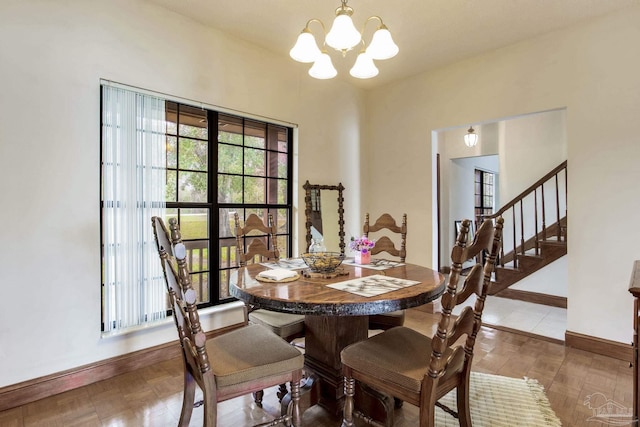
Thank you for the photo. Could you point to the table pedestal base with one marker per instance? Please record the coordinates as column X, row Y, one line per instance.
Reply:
column 325, row 337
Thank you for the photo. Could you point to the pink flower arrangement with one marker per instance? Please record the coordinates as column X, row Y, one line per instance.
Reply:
column 361, row 244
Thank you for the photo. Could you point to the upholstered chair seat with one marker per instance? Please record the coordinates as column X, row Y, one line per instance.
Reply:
column 285, row 325
column 238, row 363
column 379, row 356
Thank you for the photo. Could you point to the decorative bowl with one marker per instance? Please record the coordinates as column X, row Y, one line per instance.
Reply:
column 323, row 262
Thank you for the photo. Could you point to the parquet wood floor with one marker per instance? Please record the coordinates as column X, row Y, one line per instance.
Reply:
column 152, row 396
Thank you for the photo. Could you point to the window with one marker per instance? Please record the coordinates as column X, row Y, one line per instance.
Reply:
column 214, row 164
column 484, row 194
column 254, row 164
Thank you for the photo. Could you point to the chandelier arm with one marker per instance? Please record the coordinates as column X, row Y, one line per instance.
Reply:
column 324, row 30
column 364, row 26
column 369, row 19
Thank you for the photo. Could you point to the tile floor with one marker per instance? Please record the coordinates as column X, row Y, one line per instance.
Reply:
column 523, row 316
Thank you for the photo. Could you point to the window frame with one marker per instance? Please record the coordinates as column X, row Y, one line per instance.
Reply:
column 481, row 187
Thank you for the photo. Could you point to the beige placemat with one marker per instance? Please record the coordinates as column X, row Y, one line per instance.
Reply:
column 370, row 286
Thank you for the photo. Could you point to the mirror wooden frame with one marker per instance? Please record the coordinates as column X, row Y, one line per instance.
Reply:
column 307, row 210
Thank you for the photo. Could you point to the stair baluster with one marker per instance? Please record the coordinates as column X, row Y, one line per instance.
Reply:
column 515, row 263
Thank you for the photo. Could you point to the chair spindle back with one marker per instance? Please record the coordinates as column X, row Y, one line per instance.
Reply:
column 476, row 282
column 384, row 243
column 258, row 246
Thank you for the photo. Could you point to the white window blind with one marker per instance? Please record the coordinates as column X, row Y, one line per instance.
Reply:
column 133, row 190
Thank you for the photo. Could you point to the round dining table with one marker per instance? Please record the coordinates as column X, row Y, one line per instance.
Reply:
column 335, row 318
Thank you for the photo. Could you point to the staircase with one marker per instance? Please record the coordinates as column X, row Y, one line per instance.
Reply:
column 529, row 242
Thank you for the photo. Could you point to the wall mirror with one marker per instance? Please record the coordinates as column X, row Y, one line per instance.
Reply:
column 324, row 214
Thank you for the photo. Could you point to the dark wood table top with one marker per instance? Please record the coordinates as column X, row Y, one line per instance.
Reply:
column 311, row 296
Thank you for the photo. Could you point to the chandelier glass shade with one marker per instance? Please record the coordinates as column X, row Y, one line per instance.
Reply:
column 471, row 138
column 382, row 45
column 323, row 67
column 343, row 36
column 364, row 68
column 306, row 50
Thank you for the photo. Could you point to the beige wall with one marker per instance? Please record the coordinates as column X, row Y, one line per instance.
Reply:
column 53, row 55
column 591, row 70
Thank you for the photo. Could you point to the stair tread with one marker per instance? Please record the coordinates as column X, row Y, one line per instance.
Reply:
column 507, row 268
column 552, row 242
column 531, row 254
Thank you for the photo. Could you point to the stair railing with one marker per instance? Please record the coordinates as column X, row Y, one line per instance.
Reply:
column 528, row 214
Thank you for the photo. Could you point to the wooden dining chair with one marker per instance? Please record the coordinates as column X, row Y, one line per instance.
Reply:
column 386, row 223
column 421, row 370
column 288, row 326
column 229, row 365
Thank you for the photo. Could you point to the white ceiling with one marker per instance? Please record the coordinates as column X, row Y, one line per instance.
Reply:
column 429, row 33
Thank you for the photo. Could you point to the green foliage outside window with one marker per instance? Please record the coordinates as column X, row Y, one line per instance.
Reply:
column 251, row 174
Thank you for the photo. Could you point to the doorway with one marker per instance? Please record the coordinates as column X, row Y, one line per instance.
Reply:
column 518, row 151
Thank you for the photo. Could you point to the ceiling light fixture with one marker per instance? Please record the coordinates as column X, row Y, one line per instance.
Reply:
column 471, row 138
column 343, row 36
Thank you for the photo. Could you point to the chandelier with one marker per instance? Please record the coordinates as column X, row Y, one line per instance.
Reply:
column 343, row 36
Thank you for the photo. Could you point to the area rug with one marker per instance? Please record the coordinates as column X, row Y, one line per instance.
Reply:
column 498, row 401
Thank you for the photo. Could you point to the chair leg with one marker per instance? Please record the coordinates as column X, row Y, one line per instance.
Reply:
column 188, row 398
column 427, row 410
column 210, row 414
column 349, row 391
column 282, row 392
column 257, row 397
column 464, row 413
column 210, row 403
column 294, row 405
column 397, row 403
